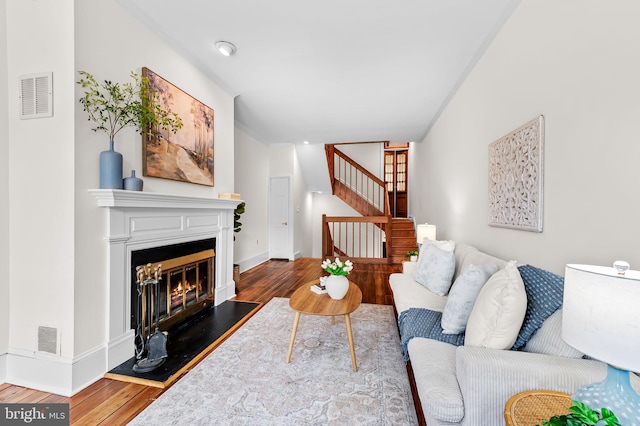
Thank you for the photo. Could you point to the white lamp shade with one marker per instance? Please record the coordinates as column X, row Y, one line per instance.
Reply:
column 601, row 314
column 425, row 230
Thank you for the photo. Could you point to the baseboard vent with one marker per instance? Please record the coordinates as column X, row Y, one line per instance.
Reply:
column 36, row 95
column 48, row 339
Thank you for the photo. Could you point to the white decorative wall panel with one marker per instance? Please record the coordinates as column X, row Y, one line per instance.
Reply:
column 515, row 178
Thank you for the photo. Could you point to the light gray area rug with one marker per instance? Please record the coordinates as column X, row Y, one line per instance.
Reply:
column 246, row 381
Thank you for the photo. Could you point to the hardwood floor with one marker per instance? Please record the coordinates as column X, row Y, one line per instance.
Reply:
column 112, row 402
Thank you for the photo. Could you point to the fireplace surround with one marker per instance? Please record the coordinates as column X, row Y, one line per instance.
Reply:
column 186, row 282
column 143, row 220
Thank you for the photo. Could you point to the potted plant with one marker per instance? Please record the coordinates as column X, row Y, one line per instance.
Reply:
column 412, row 255
column 337, row 283
column 237, row 227
column 582, row 414
column 114, row 106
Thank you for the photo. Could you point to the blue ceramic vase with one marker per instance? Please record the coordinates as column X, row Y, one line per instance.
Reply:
column 132, row 183
column 110, row 169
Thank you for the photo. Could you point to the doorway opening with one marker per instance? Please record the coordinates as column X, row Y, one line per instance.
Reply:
column 396, row 175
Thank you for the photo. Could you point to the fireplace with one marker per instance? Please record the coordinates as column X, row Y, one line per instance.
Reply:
column 141, row 222
column 186, row 283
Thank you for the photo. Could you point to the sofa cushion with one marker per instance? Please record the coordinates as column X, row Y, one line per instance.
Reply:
column 407, row 293
column 461, row 251
column 481, row 258
column 499, row 310
column 435, row 271
column 462, row 296
column 417, row 322
column 544, row 297
column 548, row 339
column 446, row 245
column 434, row 369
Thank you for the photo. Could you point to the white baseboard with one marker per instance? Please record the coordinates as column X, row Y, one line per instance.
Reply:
column 254, row 261
column 51, row 373
column 3, row 368
column 43, row 372
column 90, row 367
column 297, row 255
column 120, row 349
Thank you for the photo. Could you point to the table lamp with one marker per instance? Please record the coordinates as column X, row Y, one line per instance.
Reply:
column 601, row 318
column 425, row 230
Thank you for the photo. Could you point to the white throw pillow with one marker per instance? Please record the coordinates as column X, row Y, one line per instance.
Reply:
column 446, row 245
column 435, row 272
column 548, row 339
column 499, row 311
column 463, row 295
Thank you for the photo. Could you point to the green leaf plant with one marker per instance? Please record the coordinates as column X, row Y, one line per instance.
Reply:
column 114, row 106
column 583, row 415
column 237, row 225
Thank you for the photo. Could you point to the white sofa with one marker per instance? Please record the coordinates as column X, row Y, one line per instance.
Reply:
column 469, row 385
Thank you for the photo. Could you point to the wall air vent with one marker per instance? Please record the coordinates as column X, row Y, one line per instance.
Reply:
column 36, row 95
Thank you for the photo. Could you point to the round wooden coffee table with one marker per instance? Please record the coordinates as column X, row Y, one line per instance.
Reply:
column 305, row 301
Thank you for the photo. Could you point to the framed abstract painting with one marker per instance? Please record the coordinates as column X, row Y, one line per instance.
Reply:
column 186, row 155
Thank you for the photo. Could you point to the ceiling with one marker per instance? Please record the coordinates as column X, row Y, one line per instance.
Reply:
column 333, row 70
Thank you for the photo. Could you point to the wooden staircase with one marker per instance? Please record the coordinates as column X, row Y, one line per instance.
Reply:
column 365, row 193
column 403, row 237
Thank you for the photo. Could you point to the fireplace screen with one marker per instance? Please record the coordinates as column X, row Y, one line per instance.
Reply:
column 185, row 284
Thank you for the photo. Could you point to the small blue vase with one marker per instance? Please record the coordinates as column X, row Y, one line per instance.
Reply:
column 132, row 183
column 110, row 169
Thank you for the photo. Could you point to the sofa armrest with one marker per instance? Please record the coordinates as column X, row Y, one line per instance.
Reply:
column 409, row 267
column 489, row 377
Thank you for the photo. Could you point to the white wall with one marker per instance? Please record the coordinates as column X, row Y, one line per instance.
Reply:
column 368, row 155
column 255, row 163
column 577, row 63
column 302, row 211
column 281, row 164
column 4, row 195
column 128, row 47
column 41, row 180
column 52, row 162
column 252, row 183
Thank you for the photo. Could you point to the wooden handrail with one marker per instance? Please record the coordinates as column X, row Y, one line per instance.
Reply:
column 357, row 165
column 363, row 191
column 329, row 150
column 354, row 184
column 358, row 219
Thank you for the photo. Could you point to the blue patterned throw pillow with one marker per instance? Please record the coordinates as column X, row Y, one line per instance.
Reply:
column 544, row 297
column 420, row 322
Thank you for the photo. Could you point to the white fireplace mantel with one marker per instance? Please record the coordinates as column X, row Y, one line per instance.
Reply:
column 122, row 199
column 138, row 220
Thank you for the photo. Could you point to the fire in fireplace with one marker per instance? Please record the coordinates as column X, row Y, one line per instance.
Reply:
column 186, row 284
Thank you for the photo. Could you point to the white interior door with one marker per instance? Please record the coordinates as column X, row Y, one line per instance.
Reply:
column 279, row 218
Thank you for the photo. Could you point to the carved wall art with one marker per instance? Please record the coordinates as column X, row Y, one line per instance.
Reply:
column 515, row 178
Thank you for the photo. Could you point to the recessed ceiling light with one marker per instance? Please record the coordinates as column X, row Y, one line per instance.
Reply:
column 306, row 142
column 225, row 48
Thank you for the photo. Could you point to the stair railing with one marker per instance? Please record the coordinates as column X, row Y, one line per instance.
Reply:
column 358, row 187
column 367, row 238
column 359, row 238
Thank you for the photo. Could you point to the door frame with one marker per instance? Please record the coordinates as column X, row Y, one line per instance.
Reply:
column 289, row 244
